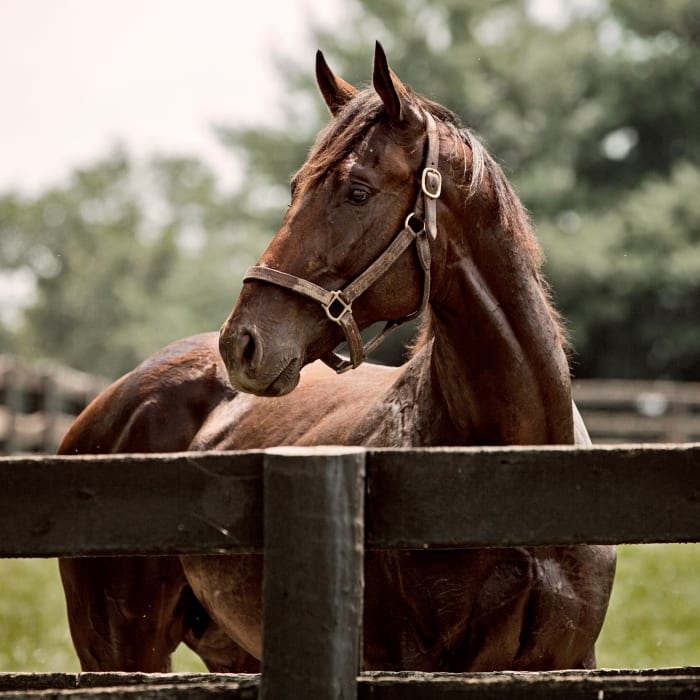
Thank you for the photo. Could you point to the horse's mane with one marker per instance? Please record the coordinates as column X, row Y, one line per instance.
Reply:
column 481, row 174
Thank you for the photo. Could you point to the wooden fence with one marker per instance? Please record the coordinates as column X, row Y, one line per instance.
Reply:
column 349, row 499
column 38, row 401
column 639, row 411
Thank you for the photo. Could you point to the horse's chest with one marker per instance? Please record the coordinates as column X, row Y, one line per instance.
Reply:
column 392, row 424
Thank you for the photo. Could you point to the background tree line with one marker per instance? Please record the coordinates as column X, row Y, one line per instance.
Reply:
column 594, row 118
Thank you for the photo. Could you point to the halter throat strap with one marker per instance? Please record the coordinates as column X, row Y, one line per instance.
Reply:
column 337, row 304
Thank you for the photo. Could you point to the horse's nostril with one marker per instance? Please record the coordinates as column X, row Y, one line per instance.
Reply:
column 249, row 348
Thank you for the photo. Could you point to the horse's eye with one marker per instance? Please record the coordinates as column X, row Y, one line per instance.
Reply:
column 358, row 195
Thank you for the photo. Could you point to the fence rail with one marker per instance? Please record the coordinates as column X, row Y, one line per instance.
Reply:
column 618, row 411
column 667, row 683
column 38, row 402
column 351, row 498
column 433, row 497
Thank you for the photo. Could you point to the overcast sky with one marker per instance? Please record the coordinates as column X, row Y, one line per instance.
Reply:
column 78, row 76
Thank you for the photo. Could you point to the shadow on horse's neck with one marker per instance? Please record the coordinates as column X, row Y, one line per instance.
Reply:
column 498, row 365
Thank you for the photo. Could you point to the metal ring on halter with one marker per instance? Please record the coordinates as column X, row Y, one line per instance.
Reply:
column 407, row 223
column 336, row 296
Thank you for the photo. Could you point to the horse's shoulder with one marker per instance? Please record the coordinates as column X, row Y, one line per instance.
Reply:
column 158, row 406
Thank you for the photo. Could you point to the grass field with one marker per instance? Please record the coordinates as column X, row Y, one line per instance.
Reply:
column 653, row 621
column 654, row 615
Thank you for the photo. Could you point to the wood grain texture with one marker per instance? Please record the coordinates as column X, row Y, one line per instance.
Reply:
column 525, row 496
column 213, row 502
column 139, row 504
column 557, row 685
column 312, row 587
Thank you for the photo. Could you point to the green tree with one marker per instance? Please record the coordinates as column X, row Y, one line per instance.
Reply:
column 633, row 292
column 122, row 262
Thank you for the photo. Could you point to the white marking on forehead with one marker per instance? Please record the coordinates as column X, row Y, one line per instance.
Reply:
column 346, row 166
column 363, row 147
column 363, row 153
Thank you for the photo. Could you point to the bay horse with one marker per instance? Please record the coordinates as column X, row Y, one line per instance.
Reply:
column 398, row 209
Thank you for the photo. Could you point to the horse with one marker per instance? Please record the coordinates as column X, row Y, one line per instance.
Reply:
column 398, row 210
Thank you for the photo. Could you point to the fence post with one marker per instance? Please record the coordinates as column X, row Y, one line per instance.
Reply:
column 313, row 580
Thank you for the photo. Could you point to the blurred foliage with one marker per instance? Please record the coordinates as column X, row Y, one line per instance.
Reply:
column 125, row 258
column 653, row 620
column 592, row 113
column 632, row 292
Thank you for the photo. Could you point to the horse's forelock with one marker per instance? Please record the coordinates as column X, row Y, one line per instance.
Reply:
column 340, row 136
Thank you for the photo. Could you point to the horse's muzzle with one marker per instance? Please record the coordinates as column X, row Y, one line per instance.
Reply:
column 250, row 369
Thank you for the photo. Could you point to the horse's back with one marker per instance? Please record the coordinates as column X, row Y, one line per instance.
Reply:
column 375, row 405
column 157, row 407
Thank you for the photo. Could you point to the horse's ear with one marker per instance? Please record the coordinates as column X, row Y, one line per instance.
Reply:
column 336, row 92
column 392, row 91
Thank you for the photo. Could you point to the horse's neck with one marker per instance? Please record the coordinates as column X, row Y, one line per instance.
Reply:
column 498, row 369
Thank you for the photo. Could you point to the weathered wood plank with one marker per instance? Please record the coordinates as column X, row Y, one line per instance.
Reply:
column 639, row 411
column 213, row 502
column 85, row 681
column 312, row 586
column 128, row 686
column 591, row 685
column 495, row 497
column 210, row 690
column 141, row 504
column 525, row 686
column 609, row 425
column 41, row 400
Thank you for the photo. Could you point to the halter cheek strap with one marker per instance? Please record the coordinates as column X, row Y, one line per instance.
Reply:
column 338, row 304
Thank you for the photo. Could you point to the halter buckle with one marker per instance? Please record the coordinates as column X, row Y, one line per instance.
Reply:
column 346, row 308
column 431, row 189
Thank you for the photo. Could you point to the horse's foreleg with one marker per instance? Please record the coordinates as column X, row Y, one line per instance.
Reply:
column 125, row 613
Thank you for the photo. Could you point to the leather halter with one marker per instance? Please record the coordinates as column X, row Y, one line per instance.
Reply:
column 338, row 304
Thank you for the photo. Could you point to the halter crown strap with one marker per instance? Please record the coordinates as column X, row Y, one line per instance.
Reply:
column 338, row 304
column 431, row 179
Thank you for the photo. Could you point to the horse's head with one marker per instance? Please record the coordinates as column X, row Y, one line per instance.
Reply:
column 353, row 248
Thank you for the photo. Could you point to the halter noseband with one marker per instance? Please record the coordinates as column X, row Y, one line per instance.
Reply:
column 338, row 304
